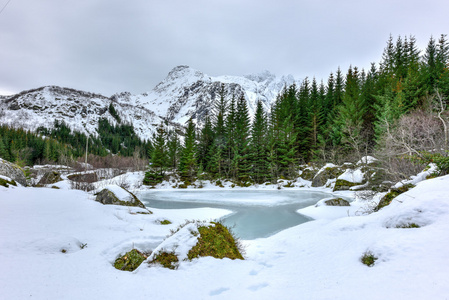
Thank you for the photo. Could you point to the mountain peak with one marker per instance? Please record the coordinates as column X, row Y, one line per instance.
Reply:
column 261, row 76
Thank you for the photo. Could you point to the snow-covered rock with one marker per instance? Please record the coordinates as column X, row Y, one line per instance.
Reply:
column 113, row 194
column 12, row 171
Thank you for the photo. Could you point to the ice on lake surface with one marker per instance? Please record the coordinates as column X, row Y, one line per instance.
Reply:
column 256, row 214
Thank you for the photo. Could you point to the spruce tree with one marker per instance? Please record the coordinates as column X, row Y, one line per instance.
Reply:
column 259, row 145
column 158, row 159
column 188, row 163
column 242, row 128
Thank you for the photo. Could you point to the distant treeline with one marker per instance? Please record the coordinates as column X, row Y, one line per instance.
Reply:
column 61, row 143
column 350, row 115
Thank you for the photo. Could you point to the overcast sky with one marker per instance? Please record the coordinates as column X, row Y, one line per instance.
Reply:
column 109, row 46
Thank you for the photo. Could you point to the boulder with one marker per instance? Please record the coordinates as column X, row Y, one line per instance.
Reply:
column 84, row 177
column 337, row 202
column 113, row 194
column 12, row 171
column 308, row 173
column 50, row 178
column 349, row 179
column 329, row 171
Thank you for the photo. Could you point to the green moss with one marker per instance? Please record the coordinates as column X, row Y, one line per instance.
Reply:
column 386, row 200
column 7, row 183
column 164, row 222
column 368, row 259
column 216, row 241
column 409, row 225
column 308, row 174
column 130, row 261
column 289, row 184
column 341, row 185
column 166, row 259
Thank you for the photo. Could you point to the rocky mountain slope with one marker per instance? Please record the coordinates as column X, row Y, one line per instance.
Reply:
column 185, row 93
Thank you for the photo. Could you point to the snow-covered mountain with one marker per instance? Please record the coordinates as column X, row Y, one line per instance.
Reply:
column 185, row 93
column 79, row 110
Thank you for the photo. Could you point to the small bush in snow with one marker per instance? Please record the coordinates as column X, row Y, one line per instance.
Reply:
column 368, row 259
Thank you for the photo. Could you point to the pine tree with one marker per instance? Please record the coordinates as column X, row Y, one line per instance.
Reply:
column 188, row 163
column 241, row 152
column 158, row 159
column 205, row 142
column 230, row 147
column 173, row 147
column 430, row 65
column 315, row 116
column 259, row 145
column 352, row 112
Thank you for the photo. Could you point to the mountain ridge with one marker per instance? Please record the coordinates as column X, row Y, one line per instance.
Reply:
column 183, row 94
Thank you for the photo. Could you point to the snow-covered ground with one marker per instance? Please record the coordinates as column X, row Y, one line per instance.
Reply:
column 316, row 260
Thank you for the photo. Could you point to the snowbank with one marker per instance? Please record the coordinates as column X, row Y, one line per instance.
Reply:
column 316, row 260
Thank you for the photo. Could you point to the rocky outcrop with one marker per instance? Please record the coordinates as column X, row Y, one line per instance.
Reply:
column 50, row 178
column 349, row 179
column 337, row 202
column 12, row 171
column 116, row 195
column 324, row 174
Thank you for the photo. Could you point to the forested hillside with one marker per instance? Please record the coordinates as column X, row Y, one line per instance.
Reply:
column 396, row 109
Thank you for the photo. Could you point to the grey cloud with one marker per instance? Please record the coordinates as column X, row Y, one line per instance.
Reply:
column 107, row 46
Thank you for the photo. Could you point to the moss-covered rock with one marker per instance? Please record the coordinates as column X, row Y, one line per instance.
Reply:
column 12, row 171
column 84, row 177
column 168, row 260
column 217, row 241
column 322, row 177
column 7, row 182
column 308, row 174
column 130, row 261
column 336, row 202
column 50, row 177
column 343, row 185
column 388, row 198
column 106, row 196
column 203, row 239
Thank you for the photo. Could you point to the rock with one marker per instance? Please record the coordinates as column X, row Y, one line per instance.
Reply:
column 50, row 177
column 12, row 171
column 337, row 202
column 394, row 192
column 349, row 179
column 116, row 195
column 83, row 177
column 326, row 173
column 308, row 174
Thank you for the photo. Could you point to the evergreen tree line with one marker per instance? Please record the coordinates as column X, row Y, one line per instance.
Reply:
column 344, row 118
column 60, row 142
column 27, row 148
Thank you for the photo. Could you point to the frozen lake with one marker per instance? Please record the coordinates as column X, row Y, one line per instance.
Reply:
column 255, row 214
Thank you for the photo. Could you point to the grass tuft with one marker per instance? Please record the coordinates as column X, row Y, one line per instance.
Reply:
column 368, row 259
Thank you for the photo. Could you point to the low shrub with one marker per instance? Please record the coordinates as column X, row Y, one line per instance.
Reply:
column 368, row 259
